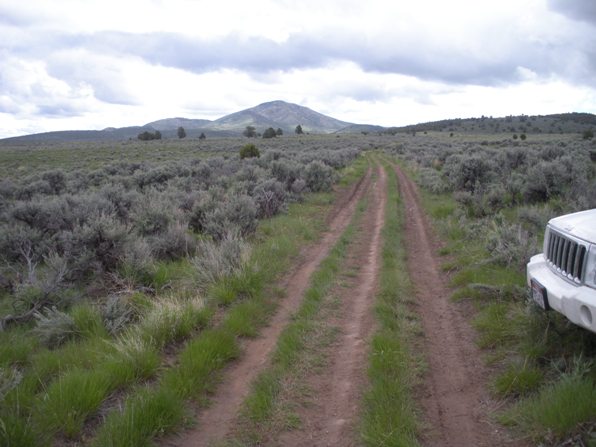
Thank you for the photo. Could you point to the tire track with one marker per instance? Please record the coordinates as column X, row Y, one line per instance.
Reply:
column 216, row 421
column 455, row 399
column 332, row 418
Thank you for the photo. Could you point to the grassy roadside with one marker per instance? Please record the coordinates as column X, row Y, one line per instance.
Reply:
column 269, row 408
column 48, row 394
column 157, row 409
column 390, row 416
column 543, row 366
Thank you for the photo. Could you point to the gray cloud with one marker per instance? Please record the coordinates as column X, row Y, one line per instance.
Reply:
column 425, row 60
column 58, row 109
column 582, row 10
column 105, row 80
column 419, row 59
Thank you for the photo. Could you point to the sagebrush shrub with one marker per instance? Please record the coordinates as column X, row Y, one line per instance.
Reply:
column 286, row 172
column 172, row 244
column 117, row 313
column 56, row 179
column 510, row 244
column 270, row 197
column 318, row 176
column 468, row 172
column 136, row 264
column 9, row 379
column 153, row 216
column 100, row 243
column 54, row 327
column 237, row 214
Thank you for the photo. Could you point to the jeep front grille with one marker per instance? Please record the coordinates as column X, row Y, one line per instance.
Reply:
column 566, row 256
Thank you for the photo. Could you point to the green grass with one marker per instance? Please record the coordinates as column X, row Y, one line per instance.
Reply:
column 194, row 374
column 17, row 346
column 518, row 379
column 88, row 321
column 390, row 415
column 248, row 299
column 69, row 400
column 147, row 414
column 557, row 410
column 354, row 171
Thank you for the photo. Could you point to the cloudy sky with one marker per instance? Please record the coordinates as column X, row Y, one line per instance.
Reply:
column 88, row 64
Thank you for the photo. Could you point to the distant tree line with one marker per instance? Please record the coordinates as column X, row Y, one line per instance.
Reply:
column 251, row 132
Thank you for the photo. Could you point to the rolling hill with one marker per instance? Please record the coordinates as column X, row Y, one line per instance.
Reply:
column 284, row 115
column 276, row 114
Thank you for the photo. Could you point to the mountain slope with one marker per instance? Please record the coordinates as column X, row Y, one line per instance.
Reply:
column 174, row 123
column 279, row 114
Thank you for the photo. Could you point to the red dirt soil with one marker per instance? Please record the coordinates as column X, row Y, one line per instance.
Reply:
column 216, row 421
column 455, row 397
column 331, row 418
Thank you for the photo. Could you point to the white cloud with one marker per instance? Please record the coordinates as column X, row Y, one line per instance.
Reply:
column 72, row 64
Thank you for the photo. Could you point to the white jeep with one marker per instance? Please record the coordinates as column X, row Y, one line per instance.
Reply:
column 563, row 278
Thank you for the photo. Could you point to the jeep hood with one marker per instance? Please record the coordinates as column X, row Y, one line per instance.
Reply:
column 581, row 225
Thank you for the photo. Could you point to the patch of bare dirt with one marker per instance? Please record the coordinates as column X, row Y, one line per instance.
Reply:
column 332, row 415
column 455, row 397
column 216, row 421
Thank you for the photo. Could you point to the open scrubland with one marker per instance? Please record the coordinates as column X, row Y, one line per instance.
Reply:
column 129, row 272
column 141, row 280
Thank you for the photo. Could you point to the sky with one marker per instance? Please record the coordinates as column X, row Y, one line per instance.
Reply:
column 88, row 64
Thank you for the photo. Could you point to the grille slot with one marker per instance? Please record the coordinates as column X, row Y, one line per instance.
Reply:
column 566, row 256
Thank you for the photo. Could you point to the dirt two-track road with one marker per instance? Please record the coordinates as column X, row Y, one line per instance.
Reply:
column 453, row 397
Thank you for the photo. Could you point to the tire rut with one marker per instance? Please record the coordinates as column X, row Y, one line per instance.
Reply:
column 216, row 421
column 331, row 419
column 455, row 400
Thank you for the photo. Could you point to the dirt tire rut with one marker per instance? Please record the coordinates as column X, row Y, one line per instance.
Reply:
column 216, row 421
column 455, row 397
column 331, row 417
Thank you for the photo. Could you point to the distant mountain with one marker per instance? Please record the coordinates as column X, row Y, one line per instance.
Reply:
column 175, row 123
column 362, row 128
column 108, row 134
column 284, row 115
column 276, row 114
column 279, row 114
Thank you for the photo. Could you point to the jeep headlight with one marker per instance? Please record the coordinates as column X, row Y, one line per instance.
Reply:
column 590, row 279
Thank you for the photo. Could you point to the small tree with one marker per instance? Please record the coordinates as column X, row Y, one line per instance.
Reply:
column 522, row 136
column 269, row 133
column 299, row 130
column 249, row 151
column 588, row 134
column 250, row 132
column 147, row 136
column 279, row 132
column 202, row 136
column 181, row 132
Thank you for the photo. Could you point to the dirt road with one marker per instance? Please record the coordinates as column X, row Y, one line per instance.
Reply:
column 332, row 415
column 455, row 397
column 215, row 422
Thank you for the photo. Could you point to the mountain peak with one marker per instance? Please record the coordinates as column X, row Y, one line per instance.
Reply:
column 281, row 114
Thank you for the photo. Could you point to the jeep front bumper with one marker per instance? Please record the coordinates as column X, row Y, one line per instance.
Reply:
column 576, row 302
